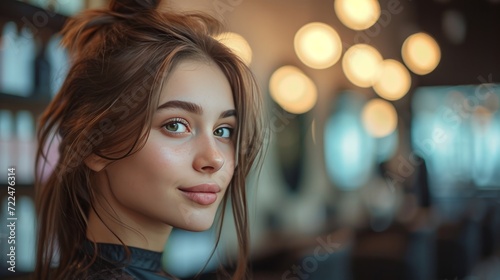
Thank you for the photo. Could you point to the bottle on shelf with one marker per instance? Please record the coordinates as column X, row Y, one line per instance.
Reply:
column 26, row 236
column 17, row 53
column 25, row 131
column 6, row 143
column 59, row 63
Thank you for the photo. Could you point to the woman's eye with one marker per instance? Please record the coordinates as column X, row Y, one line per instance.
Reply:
column 224, row 132
column 176, row 127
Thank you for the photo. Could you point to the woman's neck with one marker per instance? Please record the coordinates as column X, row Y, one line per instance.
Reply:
column 132, row 230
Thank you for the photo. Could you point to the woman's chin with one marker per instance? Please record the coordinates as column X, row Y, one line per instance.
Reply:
column 196, row 224
column 197, row 227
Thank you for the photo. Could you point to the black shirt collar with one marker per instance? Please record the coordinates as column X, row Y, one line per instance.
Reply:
column 139, row 258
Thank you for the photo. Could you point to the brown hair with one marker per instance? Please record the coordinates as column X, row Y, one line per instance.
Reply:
column 120, row 57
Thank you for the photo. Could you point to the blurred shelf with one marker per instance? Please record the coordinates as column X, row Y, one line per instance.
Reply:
column 21, row 190
column 31, row 103
column 32, row 16
column 43, row 24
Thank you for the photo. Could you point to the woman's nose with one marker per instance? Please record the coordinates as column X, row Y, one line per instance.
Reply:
column 209, row 157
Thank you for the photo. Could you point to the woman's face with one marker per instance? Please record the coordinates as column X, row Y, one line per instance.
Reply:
column 182, row 173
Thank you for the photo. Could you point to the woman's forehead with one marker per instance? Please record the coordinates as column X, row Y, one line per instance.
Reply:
column 198, row 82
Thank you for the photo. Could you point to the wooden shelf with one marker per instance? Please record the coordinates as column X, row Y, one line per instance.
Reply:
column 29, row 15
column 15, row 103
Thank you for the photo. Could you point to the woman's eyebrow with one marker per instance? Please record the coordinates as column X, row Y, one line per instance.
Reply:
column 227, row 114
column 184, row 105
column 193, row 108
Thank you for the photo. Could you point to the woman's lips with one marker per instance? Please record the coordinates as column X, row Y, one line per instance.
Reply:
column 204, row 194
column 201, row 197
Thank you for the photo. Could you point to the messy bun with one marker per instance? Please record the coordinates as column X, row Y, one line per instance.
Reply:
column 133, row 6
column 89, row 32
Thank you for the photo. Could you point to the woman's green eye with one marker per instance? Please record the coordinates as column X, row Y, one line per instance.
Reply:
column 224, row 132
column 176, row 127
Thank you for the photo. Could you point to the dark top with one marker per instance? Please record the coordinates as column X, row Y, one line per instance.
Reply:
column 113, row 264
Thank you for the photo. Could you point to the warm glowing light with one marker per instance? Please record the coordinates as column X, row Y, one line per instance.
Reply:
column 394, row 80
column 293, row 90
column 421, row 53
column 361, row 65
column 357, row 14
column 238, row 45
column 379, row 118
column 318, row 45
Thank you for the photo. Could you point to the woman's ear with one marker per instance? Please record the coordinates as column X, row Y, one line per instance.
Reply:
column 96, row 162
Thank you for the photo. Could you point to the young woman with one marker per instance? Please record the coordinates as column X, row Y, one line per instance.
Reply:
column 158, row 124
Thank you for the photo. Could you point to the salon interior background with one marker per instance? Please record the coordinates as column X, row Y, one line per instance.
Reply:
column 384, row 156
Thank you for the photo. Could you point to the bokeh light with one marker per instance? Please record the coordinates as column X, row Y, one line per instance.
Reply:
column 293, row 90
column 361, row 65
column 357, row 14
column 349, row 149
column 421, row 53
column 379, row 118
column 318, row 45
column 394, row 80
column 237, row 44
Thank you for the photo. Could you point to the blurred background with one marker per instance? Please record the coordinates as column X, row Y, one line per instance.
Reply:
column 383, row 157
